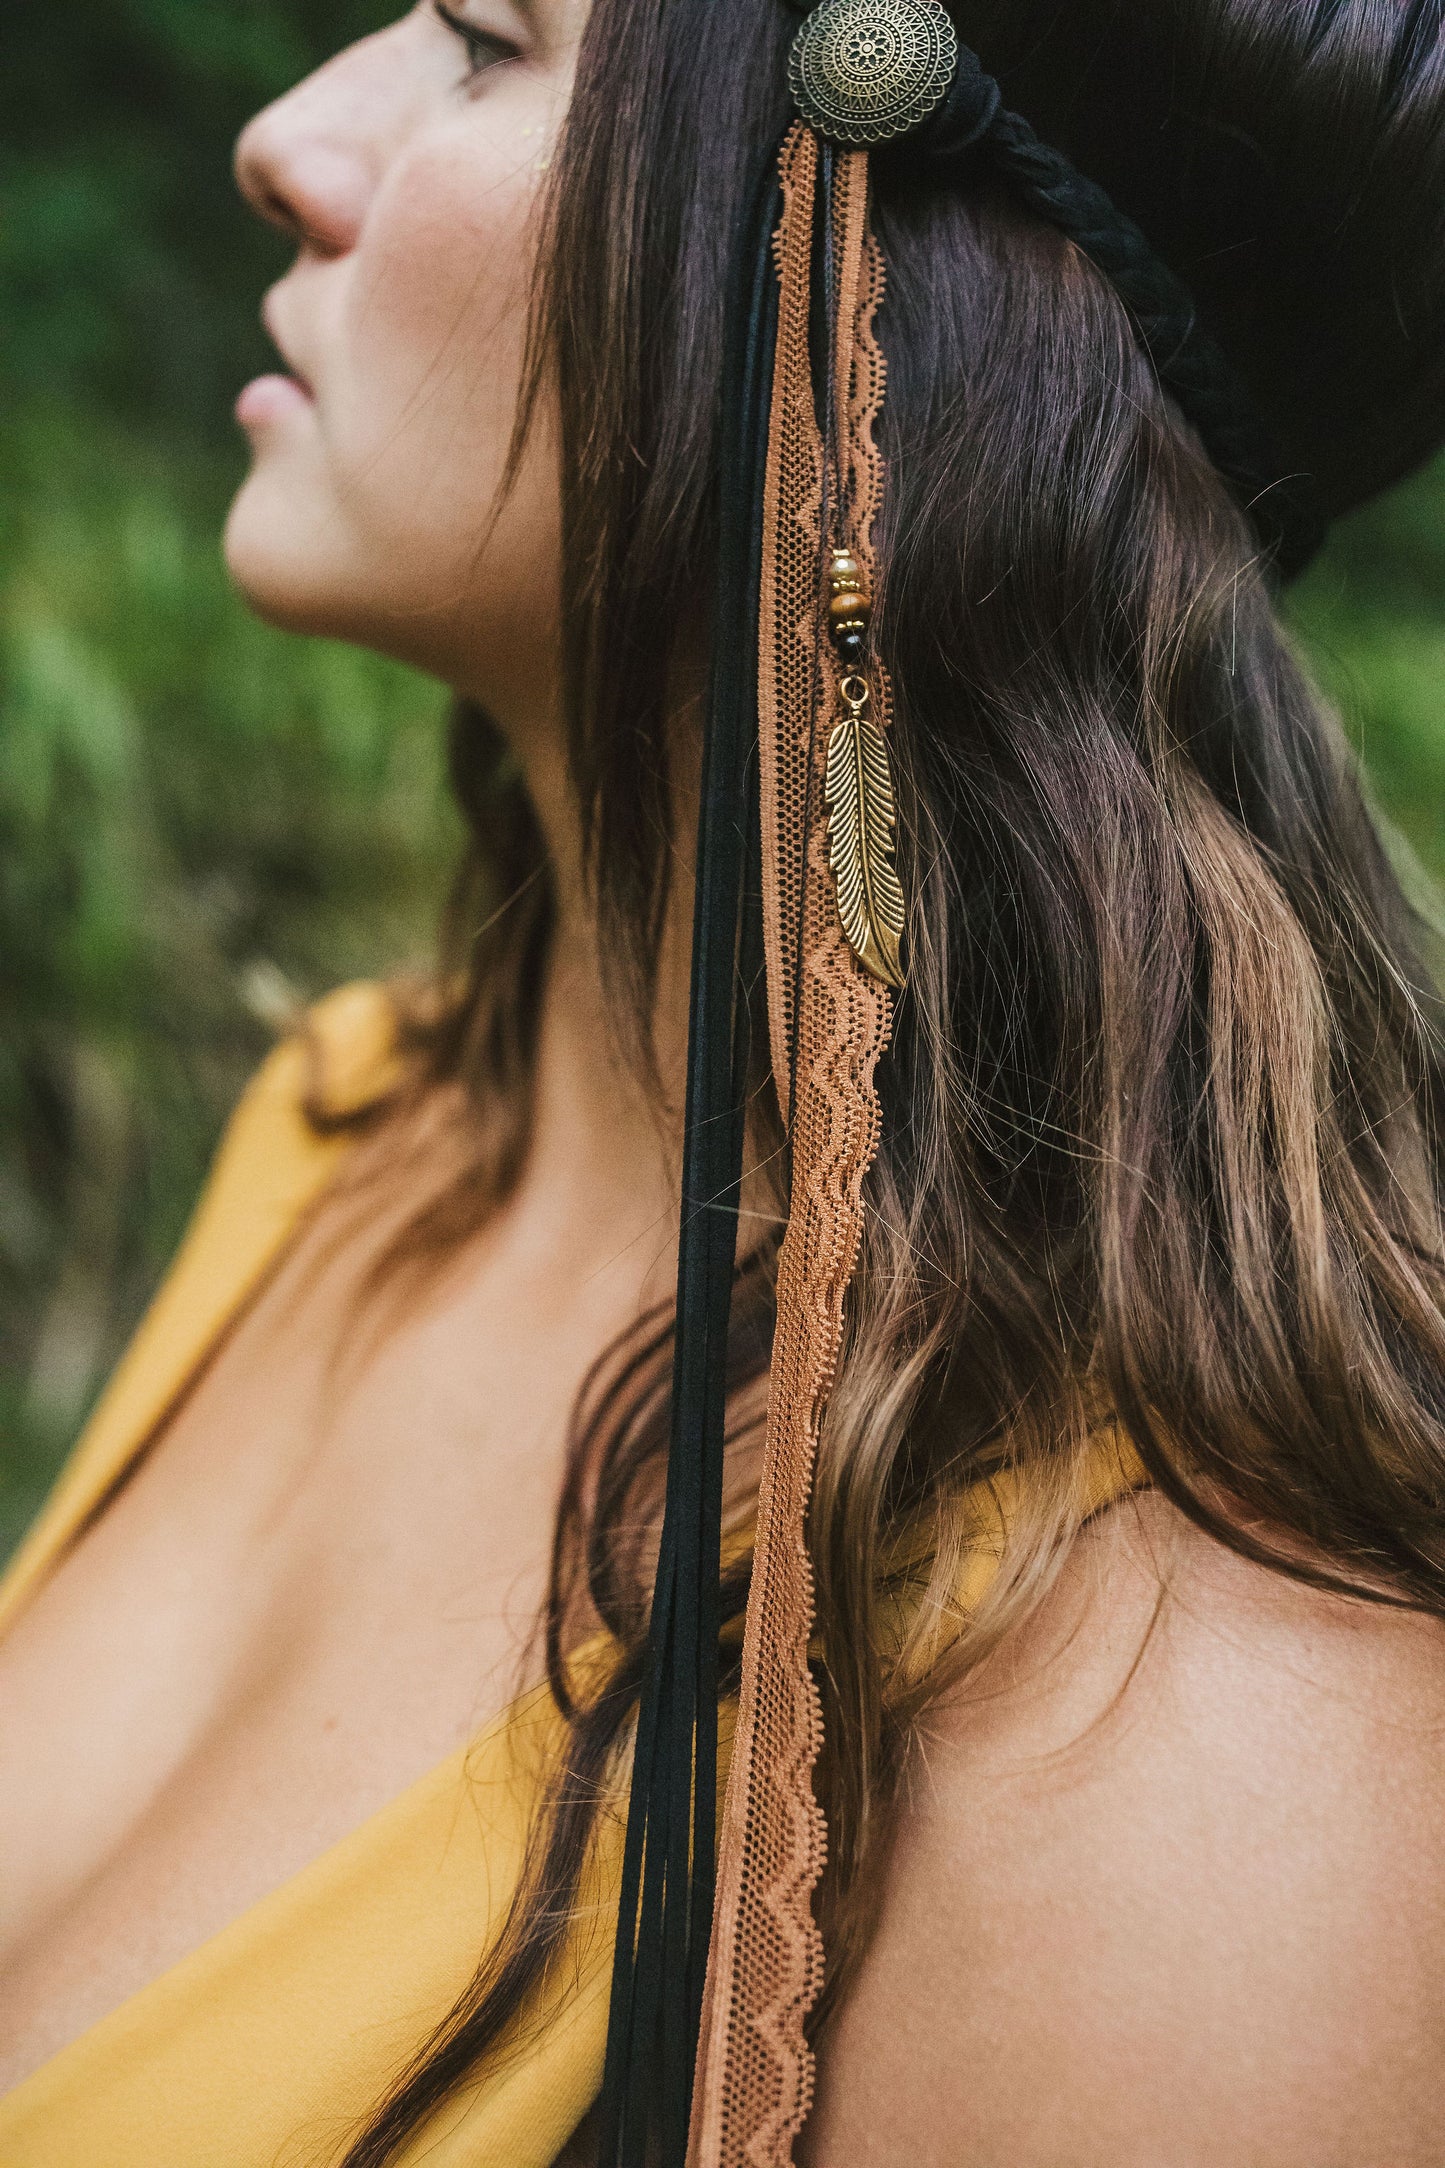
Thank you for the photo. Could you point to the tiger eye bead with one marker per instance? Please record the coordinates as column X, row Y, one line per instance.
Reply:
column 850, row 608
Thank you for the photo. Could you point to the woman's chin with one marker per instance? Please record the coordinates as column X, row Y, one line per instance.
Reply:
column 278, row 566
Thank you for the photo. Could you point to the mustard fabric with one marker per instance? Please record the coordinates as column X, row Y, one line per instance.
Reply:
column 269, row 2045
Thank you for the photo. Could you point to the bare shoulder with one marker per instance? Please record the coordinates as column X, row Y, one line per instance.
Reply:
column 1169, row 1887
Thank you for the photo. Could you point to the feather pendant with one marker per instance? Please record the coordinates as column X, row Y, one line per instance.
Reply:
column 862, row 818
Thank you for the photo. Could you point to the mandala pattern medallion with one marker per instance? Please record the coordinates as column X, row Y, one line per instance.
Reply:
column 864, row 71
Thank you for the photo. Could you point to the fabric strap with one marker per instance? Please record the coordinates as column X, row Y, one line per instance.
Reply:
column 668, row 1874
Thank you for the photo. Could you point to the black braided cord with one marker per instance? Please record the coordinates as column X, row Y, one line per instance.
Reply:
column 972, row 132
column 1190, row 363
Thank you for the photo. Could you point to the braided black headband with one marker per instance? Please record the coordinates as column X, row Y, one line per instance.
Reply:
column 876, row 72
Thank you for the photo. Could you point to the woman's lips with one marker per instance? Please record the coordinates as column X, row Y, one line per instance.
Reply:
column 271, row 399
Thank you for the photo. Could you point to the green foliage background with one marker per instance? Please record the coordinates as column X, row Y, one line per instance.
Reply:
column 203, row 821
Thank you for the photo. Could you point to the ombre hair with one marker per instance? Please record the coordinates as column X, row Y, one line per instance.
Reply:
column 1162, row 1117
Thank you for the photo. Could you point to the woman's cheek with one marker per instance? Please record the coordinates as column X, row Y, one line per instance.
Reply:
column 383, row 520
column 435, row 342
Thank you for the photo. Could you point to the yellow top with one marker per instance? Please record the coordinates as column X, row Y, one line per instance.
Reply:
column 269, row 2045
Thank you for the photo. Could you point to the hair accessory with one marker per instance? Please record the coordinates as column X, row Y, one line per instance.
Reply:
column 865, row 71
column 833, row 914
column 856, row 69
column 666, row 1909
column 799, row 682
column 862, row 815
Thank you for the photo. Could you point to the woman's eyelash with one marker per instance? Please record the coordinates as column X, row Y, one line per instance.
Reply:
column 484, row 49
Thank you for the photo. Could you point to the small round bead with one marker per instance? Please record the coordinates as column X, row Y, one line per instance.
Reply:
column 849, row 608
column 850, row 646
column 845, row 572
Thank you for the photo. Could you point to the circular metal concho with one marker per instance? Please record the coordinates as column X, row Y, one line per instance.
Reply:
column 864, row 71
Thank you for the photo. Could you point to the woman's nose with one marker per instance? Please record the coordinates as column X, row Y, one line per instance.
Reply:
column 304, row 163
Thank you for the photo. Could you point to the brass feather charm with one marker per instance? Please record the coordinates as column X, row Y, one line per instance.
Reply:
column 862, row 819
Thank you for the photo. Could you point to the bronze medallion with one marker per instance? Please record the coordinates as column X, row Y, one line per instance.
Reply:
column 864, row 71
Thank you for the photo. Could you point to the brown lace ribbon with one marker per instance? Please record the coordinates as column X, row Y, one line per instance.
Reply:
column 829, row 1022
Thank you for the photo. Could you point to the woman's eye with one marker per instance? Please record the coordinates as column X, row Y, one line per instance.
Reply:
column 484, row 48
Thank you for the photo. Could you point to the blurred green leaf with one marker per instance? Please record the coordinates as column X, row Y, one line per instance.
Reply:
column 200, row 819
column 1371, row 617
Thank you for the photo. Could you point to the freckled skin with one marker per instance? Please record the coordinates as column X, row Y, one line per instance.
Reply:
column 373, row 514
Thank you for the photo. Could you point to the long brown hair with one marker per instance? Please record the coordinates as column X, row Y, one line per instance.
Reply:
column 1162, row 1117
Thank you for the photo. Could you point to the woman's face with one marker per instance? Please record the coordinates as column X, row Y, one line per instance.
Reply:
column 409, row 171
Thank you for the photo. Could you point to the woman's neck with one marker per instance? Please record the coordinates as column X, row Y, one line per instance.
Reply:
column 605, row 1151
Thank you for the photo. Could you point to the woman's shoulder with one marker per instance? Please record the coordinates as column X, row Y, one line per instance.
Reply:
column 1168, row 1885
column 293, row 1126
column 336, row 1057
column 283, row 1144
column 294, row 1122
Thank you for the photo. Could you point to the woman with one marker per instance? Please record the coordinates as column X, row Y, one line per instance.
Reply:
column 1129, row 1525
